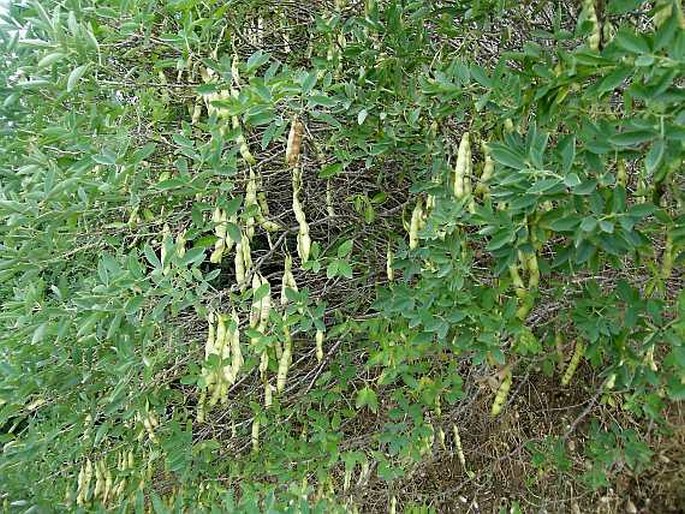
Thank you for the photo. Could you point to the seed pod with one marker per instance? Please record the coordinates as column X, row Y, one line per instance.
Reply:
column 236, row 354
column 108, row 486
column 284, row 362
column 573, row 363
column 256, row 309
column 239, row 264
column 263, row 364
column 250, row 200
column 441, row 438
column 502, row 393
column 268, row 394
column 288, row 280
column 255, row 435
column 458, row 448
column 99, row 480
column 293, row 147
column 517, row 282
column 415, row 224
column 243, row 148
column 508, row 126
column 595, row 36
column 209, row 344
column 303, row 240
column 319, row 345
column 388, row 264
column 482, row 189
column 462, row 170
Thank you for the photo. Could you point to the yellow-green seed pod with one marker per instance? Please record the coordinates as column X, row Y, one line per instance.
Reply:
column 458, row 447
column 442, row 438
column 268, row 394
column 595, row 36
column 284, row 362
column 508, row 126
column 482, row 189
column 250, row 200
column 239, row 264
column 288, row 280
column 319, row 345
column 502, row 393
column 388, row 264
column 256, row 309
column 263, row 364
column 415, row 224
column 573, row 363
column 517, row 282
column 236, row 353
column 255, row 435
column 462, row 170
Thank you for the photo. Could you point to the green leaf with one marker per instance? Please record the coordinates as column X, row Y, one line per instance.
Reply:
column 261, row 292
column 194, row 256
column 51, row 59
column 507, row 156
column 331, row 170
column 361, row 116
column 367, row 397
column 75, row 77
column 345, row 248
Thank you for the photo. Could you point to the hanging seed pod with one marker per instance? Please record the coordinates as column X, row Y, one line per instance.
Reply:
column 263, row 364
column 442, row 439
column 502, row 393
column 595, row 37
column 578, row 353
column 255, row 435
column 256, row 309
column 107, row 491
column 209, row 344
column 390, row 273
column 294, row 145
column 415, row 224
column 288, row 280
column 284, row 361
column 247, row 254
column 482, row 189
column 319, row 345
column 458, row 448
column 268, row 394
column 236, row 354
column 250, row 200
column 220, row 221
column 243, row 148
column 517, row 282
column 99, row 480
column 303, row 239
column 462, row 168
column 533, row 271
column 239, row 264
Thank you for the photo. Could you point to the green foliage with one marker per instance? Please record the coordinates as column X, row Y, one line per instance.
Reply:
column 118, row 144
